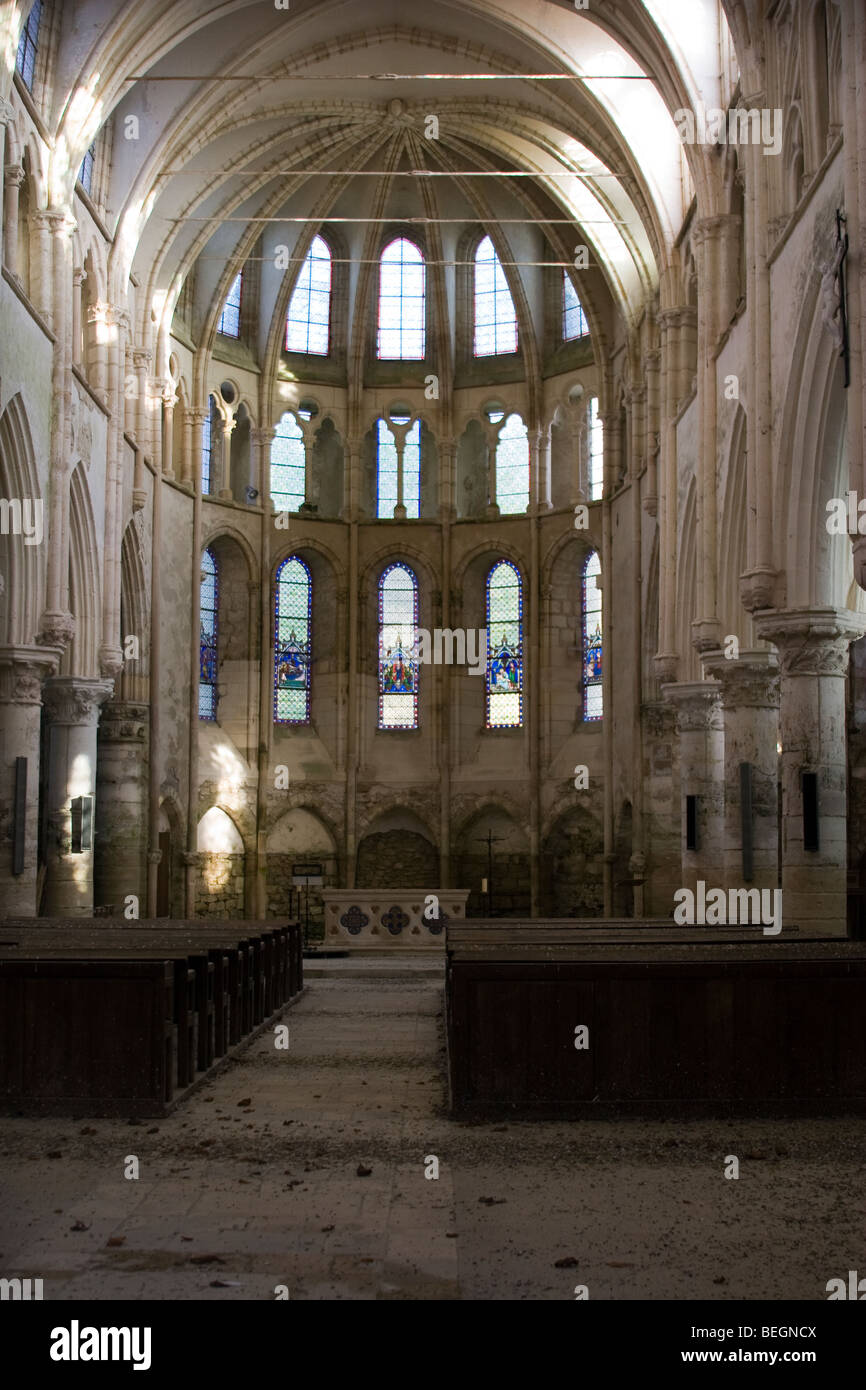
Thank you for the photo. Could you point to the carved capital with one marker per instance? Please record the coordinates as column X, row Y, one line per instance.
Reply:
column 666, row 665
column 123, row 723
column 110, row 662
column 758, row 588
column 22, row 671
column 14, row 174
column 7, row 112
column 56, row 630
column 698, row 704
column 75, row 701
column 659, row 721
column 812, row 641
column 749, row 681
column 714, row 228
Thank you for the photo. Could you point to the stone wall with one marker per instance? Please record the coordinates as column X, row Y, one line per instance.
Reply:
column 220, row 885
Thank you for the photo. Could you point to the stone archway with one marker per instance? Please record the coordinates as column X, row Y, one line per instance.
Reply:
column 573, row 864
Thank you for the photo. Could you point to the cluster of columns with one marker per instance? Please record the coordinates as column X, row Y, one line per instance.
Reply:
column 782, row 714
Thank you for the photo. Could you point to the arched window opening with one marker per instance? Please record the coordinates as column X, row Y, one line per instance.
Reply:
column 504, row 647
column 28, row 45
column 387, row 469
column 495, row 319
column 402, row 302
column 596, row 451
column 398, row 658
column 574, row 324
column 293, row 630
column 230, row 318
column 309, row 318
column 288, row 466
column 207, row 450
column 207, row 681
column 512, row 467
column 593, row 694
column 85, row 173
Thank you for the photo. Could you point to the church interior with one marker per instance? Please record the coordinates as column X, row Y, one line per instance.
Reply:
column 432, row 646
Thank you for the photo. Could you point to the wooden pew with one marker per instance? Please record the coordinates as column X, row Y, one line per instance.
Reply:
column 91, row 1035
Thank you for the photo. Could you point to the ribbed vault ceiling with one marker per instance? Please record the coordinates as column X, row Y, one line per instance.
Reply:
column 256, row 122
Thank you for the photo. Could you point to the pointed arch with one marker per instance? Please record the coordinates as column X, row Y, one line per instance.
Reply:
column 209, row 637
column 398, row 659
column 504, row 676
column 23, row 564
column 402, row 317
column 80, row 657
column 494, row 315
column 308, row 321
column 591, row 628
column 293, row 641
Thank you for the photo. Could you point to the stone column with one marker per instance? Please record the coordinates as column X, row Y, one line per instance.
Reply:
column 13, row 182
column 539, row 469
column 750, row 700
column 169, row 401
column 72, row 706
column 813, row 655
column 120, row 819
column 195, row 422
column 260, row 444
column 78, row 355
column 225, row 463
column 491, row 512
column 700, row 728
column 40, row 266
column 22, row 671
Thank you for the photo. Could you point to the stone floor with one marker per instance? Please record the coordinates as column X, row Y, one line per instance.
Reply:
column 306, row 1168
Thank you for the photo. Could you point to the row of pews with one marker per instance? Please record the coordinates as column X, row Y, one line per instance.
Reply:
column 104, row 1016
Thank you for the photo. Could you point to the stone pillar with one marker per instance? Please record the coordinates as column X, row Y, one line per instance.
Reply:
column 539, row 469
column 96, row 347
column 120, row 819
column 13, row 182
column 260, row 464
column 195, row 422
column 492, row 509
column 22, row 671
column 169, row 401
column 78, row 355
column 447, row 454
column 813, row 655
column 40, row 265
column 750, row 699
column 700, row 728
column 72, row 706
column 225, row 462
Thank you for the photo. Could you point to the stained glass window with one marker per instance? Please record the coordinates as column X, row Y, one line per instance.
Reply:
column 288, row 465
column 206, row 450
column 28, row 45
column 574, row 323
column 402, row 302
column 386, row 469
column 596, row 451
column 512, row 466
column 504, row 647
column 309, row 317
column 495, row 319
column 292, row 642
column 230, row 318
column 593, row 697
column 398, row 656
column 85, row 173
column 207, row 680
